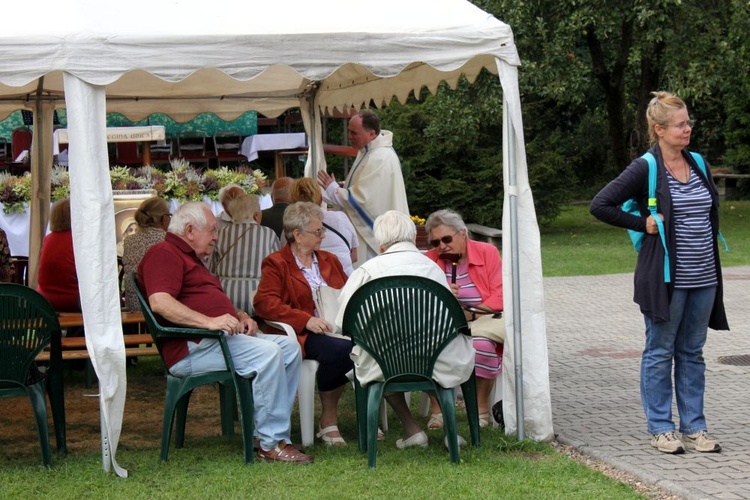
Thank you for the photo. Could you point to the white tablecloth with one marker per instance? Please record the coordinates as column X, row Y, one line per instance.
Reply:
column 271, row 142
column 16, row 226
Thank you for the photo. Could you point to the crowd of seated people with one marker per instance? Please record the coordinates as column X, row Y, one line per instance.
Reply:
column 255, row 276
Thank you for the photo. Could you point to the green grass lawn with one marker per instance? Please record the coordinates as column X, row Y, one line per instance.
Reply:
column 577, row 244
column 211, row 466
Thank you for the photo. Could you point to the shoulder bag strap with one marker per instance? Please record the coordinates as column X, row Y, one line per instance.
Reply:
column 702, row 165
column 652, row 174
column 339, row 235
column 233, row 244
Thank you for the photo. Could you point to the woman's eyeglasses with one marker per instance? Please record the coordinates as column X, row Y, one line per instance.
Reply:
column 683, row 125
column 447, row 240
column 318, row 232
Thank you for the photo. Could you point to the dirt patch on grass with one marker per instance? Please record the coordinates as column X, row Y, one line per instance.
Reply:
column 142, row 419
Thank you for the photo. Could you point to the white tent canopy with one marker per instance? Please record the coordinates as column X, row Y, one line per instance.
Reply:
column 185, row 57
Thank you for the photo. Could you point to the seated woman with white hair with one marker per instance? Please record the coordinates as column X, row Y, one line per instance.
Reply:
column 396, row 234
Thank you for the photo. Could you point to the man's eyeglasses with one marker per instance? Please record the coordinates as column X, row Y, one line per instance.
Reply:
column 445, row 239
column 683, row 125
column 318, row 232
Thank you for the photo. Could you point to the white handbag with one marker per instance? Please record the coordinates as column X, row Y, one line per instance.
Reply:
column 326, row 301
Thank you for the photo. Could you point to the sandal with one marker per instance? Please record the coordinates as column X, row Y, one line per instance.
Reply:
column 331, row 440
column 435, row 422
column 484, row 419
column 284, row 452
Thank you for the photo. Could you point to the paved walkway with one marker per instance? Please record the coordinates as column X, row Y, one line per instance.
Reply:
column 595, row 336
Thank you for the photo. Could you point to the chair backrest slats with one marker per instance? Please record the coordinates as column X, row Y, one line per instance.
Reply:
column 27, row 323
column 404, row 322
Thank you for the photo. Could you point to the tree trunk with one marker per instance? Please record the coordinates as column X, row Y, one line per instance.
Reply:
column 613, row 84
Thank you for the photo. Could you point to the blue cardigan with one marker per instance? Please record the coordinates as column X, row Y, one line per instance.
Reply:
column 651, row 293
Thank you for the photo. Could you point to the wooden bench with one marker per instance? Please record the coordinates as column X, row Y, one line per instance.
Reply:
column 726, row 182
column 487, row 234
column 136, row 345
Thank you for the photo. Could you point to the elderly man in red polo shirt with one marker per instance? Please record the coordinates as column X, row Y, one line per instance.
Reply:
column 183, row 292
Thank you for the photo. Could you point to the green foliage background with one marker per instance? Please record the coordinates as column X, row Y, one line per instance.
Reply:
column 588, row 69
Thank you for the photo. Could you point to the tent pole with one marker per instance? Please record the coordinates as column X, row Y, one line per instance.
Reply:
column 515, row 263
column 313, row 130
column 41, row 162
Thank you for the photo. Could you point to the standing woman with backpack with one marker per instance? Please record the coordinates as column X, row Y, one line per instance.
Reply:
column 678, row 308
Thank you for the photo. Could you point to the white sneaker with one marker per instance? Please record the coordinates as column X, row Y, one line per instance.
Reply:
column 418, row 439
column 461, row 441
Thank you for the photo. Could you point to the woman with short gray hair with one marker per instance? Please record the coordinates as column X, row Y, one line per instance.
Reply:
column 289, row 279
column 474, row 270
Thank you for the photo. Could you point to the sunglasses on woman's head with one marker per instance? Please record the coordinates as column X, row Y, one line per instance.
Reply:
column 447, row 240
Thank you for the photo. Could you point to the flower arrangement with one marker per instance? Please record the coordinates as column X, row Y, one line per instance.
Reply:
column 183, row 183
column 417, row 220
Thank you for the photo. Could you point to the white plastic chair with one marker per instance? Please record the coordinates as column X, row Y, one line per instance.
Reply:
column 305, row 389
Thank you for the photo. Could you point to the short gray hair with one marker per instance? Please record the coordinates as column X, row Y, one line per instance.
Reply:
column 394, row 227
column 445, row 217
column 192, row 212
column 243, row 208
column 299, row 215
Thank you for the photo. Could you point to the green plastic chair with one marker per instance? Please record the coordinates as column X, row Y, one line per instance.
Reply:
column 404, row 323
column 28, row 324
column 179, row 389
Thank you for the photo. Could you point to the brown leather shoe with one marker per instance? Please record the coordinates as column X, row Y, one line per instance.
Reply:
column 256, row 445
column 285, row 453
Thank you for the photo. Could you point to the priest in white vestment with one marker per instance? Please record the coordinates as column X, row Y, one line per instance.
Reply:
column 375, row 183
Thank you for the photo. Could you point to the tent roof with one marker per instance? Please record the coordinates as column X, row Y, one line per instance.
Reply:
column 158, row 56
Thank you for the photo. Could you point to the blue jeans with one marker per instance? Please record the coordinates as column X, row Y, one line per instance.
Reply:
column 681, row 340
column 275, row 360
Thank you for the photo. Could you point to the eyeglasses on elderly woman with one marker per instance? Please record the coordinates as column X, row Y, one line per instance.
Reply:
column 447, row 240
column 318, row 232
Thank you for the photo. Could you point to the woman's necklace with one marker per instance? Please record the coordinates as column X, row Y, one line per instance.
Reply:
column 684, row 174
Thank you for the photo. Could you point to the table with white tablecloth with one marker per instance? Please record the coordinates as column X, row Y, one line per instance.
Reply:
column 271, row 142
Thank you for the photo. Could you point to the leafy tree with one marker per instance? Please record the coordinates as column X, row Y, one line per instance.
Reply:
column 602, row 58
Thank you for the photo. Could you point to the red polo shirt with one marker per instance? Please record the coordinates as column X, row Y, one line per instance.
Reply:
column 173, row 267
